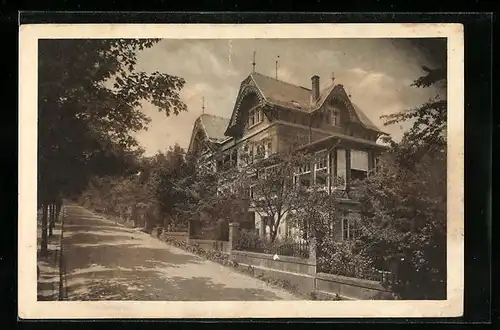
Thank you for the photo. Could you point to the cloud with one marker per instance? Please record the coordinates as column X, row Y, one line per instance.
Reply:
column 376, row 72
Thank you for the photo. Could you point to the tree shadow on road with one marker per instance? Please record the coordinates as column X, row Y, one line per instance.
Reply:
column 48, row 282
column 107, row 262
column 152, row 285
column 98, row 226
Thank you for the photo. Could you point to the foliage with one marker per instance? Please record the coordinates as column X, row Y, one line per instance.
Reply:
column 270, row 186
column 342, row 258
column 249, row 240
column 209, row 201
column 169, row 191
column 89, row 104
column 403, row 218
column 317, row 212
column 216, row 256
column 147, row 191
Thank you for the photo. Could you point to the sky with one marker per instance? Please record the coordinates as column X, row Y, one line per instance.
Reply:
column 376, row 72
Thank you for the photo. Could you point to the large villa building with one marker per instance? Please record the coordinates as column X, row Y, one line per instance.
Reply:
column 276, row 116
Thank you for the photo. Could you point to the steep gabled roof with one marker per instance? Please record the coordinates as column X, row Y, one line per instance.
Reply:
column 365, row 120
column 290, row 96
column 214, row 127
column 282, row 93
column 339, row 91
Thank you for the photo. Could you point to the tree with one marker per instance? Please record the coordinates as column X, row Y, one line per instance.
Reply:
column 89, row 100
column 403, row 215
column 197, row 196
column 403, row 218
column 273, row 192
column 170, row 190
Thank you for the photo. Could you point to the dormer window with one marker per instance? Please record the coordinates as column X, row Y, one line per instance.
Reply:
column 254, row 117
column 335, row 117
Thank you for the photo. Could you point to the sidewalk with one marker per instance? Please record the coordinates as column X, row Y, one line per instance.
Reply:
column 48, row 281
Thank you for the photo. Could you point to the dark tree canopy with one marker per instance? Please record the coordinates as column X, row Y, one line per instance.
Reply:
column 89, row 101
column 403, row 216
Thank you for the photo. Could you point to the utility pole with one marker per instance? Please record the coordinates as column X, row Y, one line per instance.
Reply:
column 253, row 63
column 277, row 67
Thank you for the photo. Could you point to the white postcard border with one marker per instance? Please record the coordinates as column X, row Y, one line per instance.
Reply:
column 30, row 308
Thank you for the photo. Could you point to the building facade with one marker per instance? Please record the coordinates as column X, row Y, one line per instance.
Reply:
column 273, row 116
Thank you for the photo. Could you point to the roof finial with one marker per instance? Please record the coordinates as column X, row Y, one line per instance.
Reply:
column 277, row 67
column 203, row 105
column 253, row 63
column 333, row 77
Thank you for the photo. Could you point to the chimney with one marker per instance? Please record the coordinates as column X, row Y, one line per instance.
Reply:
column 315, row 88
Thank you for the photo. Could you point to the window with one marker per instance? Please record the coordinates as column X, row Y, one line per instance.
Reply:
column 321, row 160
column 303, row 175
column 335, row 117
column 339, row 181
column 347, row 229
column 321, row 168
column 359, row 165
column 254, row 117
column 304, row 168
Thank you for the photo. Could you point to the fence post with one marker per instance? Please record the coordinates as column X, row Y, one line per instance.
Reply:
column 234, row 234
column 188, row 238
column 313, row 259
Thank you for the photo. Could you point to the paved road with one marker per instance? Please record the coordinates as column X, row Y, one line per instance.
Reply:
column 105, row 261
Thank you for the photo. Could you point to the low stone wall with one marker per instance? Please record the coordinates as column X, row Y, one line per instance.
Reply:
column 208, row 244
column 353, row 288
column 299, row 272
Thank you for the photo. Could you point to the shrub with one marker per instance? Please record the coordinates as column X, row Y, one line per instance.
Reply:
column 342, row 258
column 249, row 240
column 215, row 256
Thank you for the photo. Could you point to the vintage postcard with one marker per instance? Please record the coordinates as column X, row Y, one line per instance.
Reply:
column 241, row 171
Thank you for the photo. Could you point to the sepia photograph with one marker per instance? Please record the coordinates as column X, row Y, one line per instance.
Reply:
column 276, row 168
